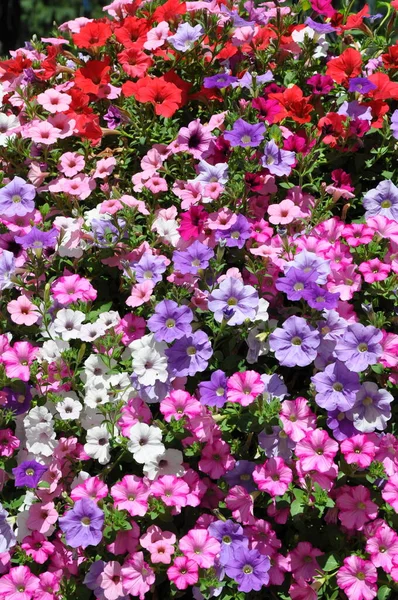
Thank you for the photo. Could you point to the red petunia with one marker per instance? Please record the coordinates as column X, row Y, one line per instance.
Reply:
column 390, row 59
column 93, row 75
column 92, row 35
column 293, row 104
column 331, row 127
column 386, row 88
column 169, row 11
column 165, row 97
column 134, row 62
column 133, row 32
column 348, row 64
column 48, row 68
column 379, row 109
column 356, row 21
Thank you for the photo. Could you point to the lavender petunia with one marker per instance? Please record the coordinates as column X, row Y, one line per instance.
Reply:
column 340, row 425
column 241, row 475
column 237, row 234
column 359, row 347
column 220, row 81
column 278, row 162
column 170, row 321
column 17, row 198
column 233, row 301
column 36, row 238
column 309, row 261
column 149, row 268
column 382, row 200
column 276, row 443
column 193, row 258
column 189, row 355
column 245, row 134
column 28, row 473
column 214, row 392
column 217, row 173
column 336, row 387
column 231, row 536
column 185, row 37
column 319, row 298
column 295, row 344
column 394, row 124
column 82, row 525
column 295, row 282
column 249, row 569
column 7, row 269
column 361, row 85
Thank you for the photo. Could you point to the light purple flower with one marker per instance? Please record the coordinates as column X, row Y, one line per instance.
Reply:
column 321, row 28
column 194, row 139
column 149, row 268
column 249, row 569
column 230, row 535
column 274, row 387
column 16, row 198
column 245, row 134
column 319, row 298
column 217, row 173
column 36, row 238
column 233, row 301
column 295, row 282
column 372, row 409
column 185, row 37
column 237, row 234
column 277, row 161
column 241, row 475
column 189, row 355
column 340, row 425
column 214, row 392
column 336, row 387
column 276, row 443
column 394, row 124
column 193, row 258
column 361, row 85
column 82, row 525
column 248, row 79
column 7, row 269
column 359, row 347
column 382, row 200
column 355, row 110
column 309, row 261
column 295, row 344
column 170, row 321
column 220, row 81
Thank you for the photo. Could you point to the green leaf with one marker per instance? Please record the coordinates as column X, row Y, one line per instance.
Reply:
column 296, row 508
column 383, row 592
column 331, row 563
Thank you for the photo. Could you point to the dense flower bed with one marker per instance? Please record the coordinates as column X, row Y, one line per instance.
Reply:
column 198, row 274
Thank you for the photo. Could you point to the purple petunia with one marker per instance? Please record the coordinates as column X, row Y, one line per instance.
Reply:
column 249, row 569
column 295, row 282
column 340, row 425
column 296, row 343
column 394, row 124
column 82, row 525
column 170, row 321
column 241, row 475
column 319, row 298
column 237, row 234
column 277, row 161
column 277, row 443
column 336, row 387
column 231, row 536
column 16, row 198
column 193, row 258
column 36, row 238
column 245, row 134
column 214, row 392
column 359, row 347
column 28, row 473
column 149, row 268
column 221, row 80
column 309, row 261
column 7, row 269
column 189, row 355
column 382, row 200
column 361, row 85
column 208, row 173
column 233, row 301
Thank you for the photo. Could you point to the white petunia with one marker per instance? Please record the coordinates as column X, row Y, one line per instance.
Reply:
column 68, row 323
column 96, row 397
column 97, row 444
column 168, row 463
column 92, row 331
column 70, row 407
column 51, row 350
column 145, row 442
column 41, row 439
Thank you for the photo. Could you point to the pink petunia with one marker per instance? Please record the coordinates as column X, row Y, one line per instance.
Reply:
column 54, row 101
column 105, row 167
column 72, row 288
column 131, row 494
column 356, row 507
column 17, row 360
column 244, row 387
column 359, row 450
column 383, row 548
column 18, row 584
column 137, row 576
column 110, row 581
column 92, row 488
column 171, row 490
column 183, row 572
column 390, row 492
column 216, row 459
column 44, row 133
column 71, row 163
column 241, row 504
column 303, row 561
column 357, row 578
column 316, row 451
column 374, row 270
column 198, row 545
column 42, row 517
column 283, row 213
column 140, row 293
column 297, row 418
column 273, row 477
column 23, row 311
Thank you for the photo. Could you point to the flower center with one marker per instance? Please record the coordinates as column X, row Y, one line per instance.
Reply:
column 298, row 286
column 191, row 351
column 367, row 401
column 220, row 391
column 338, row 387
column 232, row 301
column 16, row 198
column 30, row 472
column 247, row 569
column 170, row 323
column 386, row 203
column 85, row 521
column 362, row 347
column 296, row 341
column 226, row 539
column 245, row 139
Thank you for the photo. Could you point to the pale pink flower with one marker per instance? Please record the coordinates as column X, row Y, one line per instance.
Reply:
column 54, row 101
column 153, row 535
column 131, row 494
column 63, row 124
column 71, row 163
column 42, row 517
column 134, row 203
column 156, row 184
column 199, row 546
column 110, row 581
column 297, row 418
column 126, row 541
column 224, row 218
column 105, row 167
column 80, row 185
column 345, row 281
column 316, row 451
column 157, row 36
column 183, row 573
column 357, row 577
column 389, row 343
column 244, row 387
column 110, row 207
column 140, row 293
column 283, row 213
column 274, row 476
column 137, row 576
column 385, row 228
column 151, row 162
column 44, row 133
column 303, row 561
column 18, row 359
column 356, row 507
column 23, row 311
